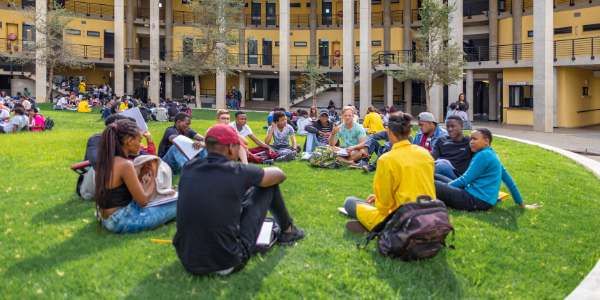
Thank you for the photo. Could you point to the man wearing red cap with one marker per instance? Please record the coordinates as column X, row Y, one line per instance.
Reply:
column 222, row 205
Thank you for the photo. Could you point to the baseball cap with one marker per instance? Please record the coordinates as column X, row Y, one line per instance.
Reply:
column 324, row 111
column 426, row 117
column 287, row 113
column 225, row 134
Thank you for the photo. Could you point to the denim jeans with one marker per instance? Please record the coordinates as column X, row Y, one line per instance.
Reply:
column 175, row 159
column 312, row 142
column 228, row 101
column 444, row 169
column 236, row 104
column 133, row 218
column 105, row 113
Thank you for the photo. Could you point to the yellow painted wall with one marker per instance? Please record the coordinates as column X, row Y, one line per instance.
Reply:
column 92, row 75
column 565, row 19
column 571, row 100
column 505, row 31
column 516, row 116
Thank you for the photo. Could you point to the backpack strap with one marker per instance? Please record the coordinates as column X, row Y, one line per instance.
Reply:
column 377, row 229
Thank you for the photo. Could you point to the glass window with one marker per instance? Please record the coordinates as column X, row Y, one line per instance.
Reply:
column 73, row 32
column 93, row 33
column 521, row 96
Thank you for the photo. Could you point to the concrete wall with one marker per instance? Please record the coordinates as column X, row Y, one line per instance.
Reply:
column 18, row 85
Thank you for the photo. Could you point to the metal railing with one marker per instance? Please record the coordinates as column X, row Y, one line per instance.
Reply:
column 476, row 8
column 391, row 57
column 397, row 16
column 144, row 13
column 515, row 52
column 90, row 8
column 415, row 15
column 299, row 20
column 576, row 47
column 183, row 16
column 265, row 20
column 527, row 4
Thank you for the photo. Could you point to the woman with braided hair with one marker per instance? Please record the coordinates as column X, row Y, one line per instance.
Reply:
column 120, row 198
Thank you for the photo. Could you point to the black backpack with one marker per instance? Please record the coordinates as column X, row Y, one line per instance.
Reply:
column 48, row 123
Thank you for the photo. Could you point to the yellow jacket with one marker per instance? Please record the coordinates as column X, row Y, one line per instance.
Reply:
column 84, row 107
column 81, row 87
column 403, row 173
column 373, row 121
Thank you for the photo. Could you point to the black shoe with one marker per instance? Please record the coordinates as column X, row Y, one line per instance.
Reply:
column 359, row 165
column 268, row 162
column 285, row 158
column 369, row 168
column 287, row 239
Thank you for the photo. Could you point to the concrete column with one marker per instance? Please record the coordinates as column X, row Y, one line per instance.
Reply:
column 119, row 12
column 313, row 27
column 555, row 104
column 41, row 90
column 456, row 22
column 407, row 46
column 436, row 106
column 387, row 24
column 493, row 100
column 154, row 85
column 221, row 90
column 168, row 46
column 366, row 83
column 543, row 73
column 242, row 88
column 242, row 51
column 129, row 42
column 493, row 23
column 389, row 90
column 348, row 67
column 470, row 93
column 517, row 13
column 284, row 54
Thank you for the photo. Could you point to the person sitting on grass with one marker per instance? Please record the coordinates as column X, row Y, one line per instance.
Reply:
column 281, row 133
column 160, row 114
column 17, row 123
column 403, row 173
column 352, row 135
column 223, row 118
column 4, row 113
column 84, row 106
column 36, row 121
column 373, row 122
column 385, row 116
column 477, row 189
column 453, row 147
column 124, row 105
column 429, row 131
column 318, row 132
column 171, row 155
column 119, row 196
column 145, row 112
column 334, row 117
column 303, row 121
column 243, row 130
column 452, row 111
column 173, row 110
column 218, row 220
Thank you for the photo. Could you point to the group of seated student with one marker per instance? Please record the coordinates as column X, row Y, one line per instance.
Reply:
column 169, row 153
column 351, row 134
column 19, row 122
column 285, row 113
column 217, row 232
column 303, row 121
column 407, row 170
column 318, row 132
column 244, row 131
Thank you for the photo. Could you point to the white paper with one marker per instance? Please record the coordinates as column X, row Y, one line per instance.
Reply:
column 343, row 152
column 446, row 162
column 137, row 115
column 343, row 210
column 163, row 201
column 185, row 145
column 264, row 238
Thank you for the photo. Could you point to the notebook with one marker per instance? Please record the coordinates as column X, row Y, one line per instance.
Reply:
column 137, row 115
column 163, row 201
column 82, row 167
column 264, row 237
column 184, row 144
column 343, row 152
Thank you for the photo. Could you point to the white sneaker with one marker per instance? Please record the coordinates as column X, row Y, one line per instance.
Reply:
column 306, row 155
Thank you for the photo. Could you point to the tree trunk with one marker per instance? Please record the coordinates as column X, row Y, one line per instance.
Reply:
column 427, row 100
column 197, row 84
column 50, row 79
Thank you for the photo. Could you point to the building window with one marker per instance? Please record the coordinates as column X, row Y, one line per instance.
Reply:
column 307, row 4
column 530, row 33
column 521, row 96
column 357, row 43
column 585, row 91
column 277, row 44
column 591, row 27
column 93, row 33
column 295, row 4
column 300, row 44
column 0, row 24
column 375, row 2
column 73, row 32
column 563, row 30
column 376, row 43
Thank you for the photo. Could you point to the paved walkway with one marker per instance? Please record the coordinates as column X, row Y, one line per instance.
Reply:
column 578, row 139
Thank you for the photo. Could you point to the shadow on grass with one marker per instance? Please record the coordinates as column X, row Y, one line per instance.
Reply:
column 240, row 285
column 501, row 217
column 74, row 209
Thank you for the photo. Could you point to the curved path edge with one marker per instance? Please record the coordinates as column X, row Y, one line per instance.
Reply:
column 589, row 288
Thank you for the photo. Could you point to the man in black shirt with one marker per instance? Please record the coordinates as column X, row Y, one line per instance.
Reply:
column 171, row 155
column 218, row 221
column 453, row 147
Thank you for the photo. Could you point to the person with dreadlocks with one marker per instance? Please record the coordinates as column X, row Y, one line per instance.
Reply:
column 120, row 198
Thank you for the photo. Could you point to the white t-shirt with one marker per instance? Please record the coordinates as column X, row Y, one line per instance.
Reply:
column 245, row 130
column 19, row 121
column 4, row 114
column 62, row 101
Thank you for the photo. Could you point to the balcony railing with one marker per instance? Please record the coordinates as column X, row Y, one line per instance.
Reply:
column 391, row 57
column 475, row 8
column 299, row 20
column 397, row 16
column 415, row 15
column 90, row 8
column 144, row 13
column 265, row 20
column 577, row 47
column 515, row 52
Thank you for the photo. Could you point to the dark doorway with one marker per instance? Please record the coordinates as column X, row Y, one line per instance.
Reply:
column 109, row 44
column 324, row 52
column 28, row 2
column 255, row 11
column 267, row 51
column 253, row 52
column 271, row 14
column 272, row 89
column 60, row 2
column 480, row 101
column 257, row 92
column 326, row 13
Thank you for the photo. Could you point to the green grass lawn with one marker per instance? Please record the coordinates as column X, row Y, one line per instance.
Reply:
column 51, row 247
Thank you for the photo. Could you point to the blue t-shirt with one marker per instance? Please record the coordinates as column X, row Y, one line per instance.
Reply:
column 350, row 137
column 282, row 138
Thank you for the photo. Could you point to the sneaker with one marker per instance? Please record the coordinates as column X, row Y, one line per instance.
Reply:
column 359, row 165
column 369, row 168
column 287, row 239
column 269, row 162
column 356, row 227
column 306, row 155
column 285, row 158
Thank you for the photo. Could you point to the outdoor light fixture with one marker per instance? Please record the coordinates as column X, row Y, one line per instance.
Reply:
column 275, row 72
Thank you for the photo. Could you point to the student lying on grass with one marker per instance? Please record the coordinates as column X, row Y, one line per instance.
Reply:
column 218, row 220
column 403, row 173
column 118, row 184
column 478, row 188
column 243, row 130
column 353, row 137
column 171, row 155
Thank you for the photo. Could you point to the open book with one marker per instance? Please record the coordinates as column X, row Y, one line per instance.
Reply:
column 343, row 152
column 137, row 115
column 163, row 201
column 184, row 144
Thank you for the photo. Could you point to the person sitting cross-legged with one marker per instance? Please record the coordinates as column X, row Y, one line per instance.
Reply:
column 373, row 122
column 318, row 133
column 403, row 173
column 222, row 206
column 477, row 189
column 353, row 137
column 429, row 131
column 19, row 122
column 282, row 133
column 243, row 130
column 223, row 118
column 453, row 147
column 171, row 155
